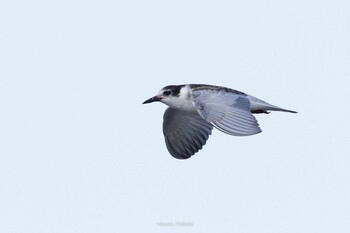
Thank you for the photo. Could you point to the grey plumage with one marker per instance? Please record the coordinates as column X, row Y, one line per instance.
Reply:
column 185, row 133
column 194, row 109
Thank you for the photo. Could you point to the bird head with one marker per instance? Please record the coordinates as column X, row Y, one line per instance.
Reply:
column 169, row 95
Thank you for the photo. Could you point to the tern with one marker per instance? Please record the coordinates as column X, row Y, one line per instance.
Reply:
column 194, row 109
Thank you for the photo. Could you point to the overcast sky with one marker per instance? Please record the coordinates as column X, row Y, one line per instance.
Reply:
column 80, row 153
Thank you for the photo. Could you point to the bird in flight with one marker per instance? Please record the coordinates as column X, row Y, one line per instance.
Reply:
column 194, row 109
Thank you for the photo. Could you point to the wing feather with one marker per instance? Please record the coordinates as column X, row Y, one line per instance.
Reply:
column 226, row 111
column 185, row 133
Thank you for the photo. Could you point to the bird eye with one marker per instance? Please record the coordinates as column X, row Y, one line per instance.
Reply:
column 166, row 93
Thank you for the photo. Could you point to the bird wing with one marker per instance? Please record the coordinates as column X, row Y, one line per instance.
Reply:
column 185, row 133
column 227, row 111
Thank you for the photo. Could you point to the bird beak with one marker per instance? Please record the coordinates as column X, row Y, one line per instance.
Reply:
column 153, row 99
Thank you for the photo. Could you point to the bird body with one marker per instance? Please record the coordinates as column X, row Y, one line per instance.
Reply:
column 194, row 109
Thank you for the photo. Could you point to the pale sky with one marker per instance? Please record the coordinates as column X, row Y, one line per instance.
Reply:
column 80, row 153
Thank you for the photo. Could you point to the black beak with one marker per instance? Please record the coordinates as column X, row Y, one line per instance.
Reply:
column 153, row 99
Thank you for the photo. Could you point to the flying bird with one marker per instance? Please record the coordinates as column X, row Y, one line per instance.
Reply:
column 194, row 109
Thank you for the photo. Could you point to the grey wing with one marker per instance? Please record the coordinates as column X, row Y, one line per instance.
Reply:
column 185, row 133
column 227, row 111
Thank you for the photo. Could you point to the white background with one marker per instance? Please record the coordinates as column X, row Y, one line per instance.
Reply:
column 79, row 153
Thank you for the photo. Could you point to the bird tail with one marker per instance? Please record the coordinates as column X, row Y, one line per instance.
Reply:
column 260, row 106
